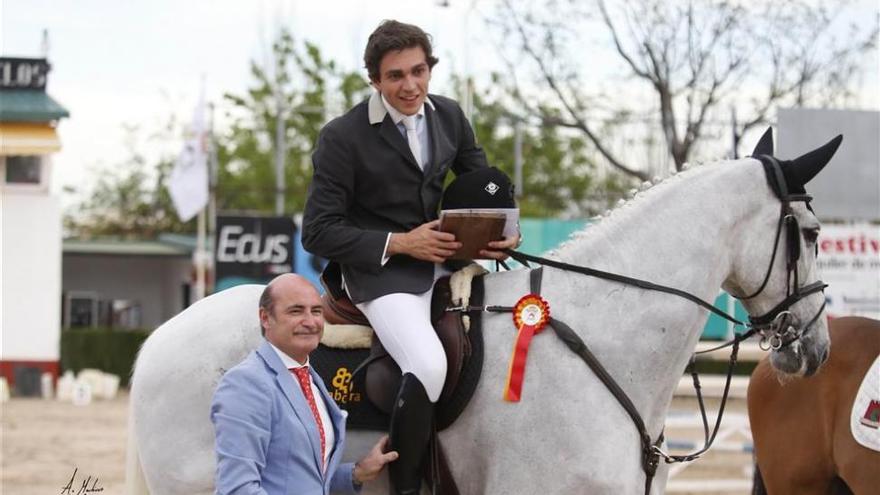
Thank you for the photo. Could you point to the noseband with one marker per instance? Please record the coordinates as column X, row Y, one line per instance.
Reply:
column 777, row 325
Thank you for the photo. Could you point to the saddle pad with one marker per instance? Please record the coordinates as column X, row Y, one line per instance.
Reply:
column 336, row 367
column 865, row 419
column 347, row 336
column 359, row 336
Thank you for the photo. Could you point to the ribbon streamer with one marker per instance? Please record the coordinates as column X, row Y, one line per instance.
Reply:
column 530, row 315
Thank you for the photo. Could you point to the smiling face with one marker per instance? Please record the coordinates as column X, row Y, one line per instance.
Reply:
column 296, row 320
column 403, row 79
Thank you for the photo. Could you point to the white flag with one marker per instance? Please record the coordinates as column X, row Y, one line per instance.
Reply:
column 188, row 183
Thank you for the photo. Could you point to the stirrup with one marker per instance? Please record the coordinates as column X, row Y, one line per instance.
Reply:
column 411, row 421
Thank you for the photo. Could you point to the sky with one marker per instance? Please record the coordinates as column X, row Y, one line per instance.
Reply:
column 135, row 62
column 117, row 63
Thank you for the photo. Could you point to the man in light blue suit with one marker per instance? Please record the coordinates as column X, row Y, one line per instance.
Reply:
column 277, row 430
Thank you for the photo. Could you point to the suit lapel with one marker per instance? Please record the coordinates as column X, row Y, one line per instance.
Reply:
column 433, row 130
column 295, row 397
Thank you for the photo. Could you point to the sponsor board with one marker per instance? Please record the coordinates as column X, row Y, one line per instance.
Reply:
column 849, row 262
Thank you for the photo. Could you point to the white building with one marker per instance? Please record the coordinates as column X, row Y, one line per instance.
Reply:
column 30, row 222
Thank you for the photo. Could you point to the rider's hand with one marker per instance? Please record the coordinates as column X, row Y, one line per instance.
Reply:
column 368, row 468
column 424, row 242
column 496, row 249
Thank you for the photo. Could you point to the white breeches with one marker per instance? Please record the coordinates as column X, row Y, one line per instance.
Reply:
column 403, row 325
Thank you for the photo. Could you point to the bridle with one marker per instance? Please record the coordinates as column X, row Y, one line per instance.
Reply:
column 776, row 326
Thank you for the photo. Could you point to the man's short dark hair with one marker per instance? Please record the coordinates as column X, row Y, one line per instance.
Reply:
column 266, row 303
column 395, row 36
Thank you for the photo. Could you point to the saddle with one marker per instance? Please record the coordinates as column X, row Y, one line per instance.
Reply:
column 463, row 347
column 347, row 332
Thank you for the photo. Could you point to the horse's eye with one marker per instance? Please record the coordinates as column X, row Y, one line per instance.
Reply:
column 811, row 235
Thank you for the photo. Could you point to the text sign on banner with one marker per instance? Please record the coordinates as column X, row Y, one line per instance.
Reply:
column 849, row 262
column 252, row 249
column 23, row 73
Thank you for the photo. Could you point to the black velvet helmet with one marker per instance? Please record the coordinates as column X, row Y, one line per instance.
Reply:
column 482, row 188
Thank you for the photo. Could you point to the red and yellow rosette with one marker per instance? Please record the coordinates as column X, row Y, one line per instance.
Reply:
column 530, row 315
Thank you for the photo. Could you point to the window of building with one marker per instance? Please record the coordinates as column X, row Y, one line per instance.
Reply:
column 22, row 169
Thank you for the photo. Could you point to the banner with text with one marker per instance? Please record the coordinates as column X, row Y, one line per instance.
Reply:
column 252, row 249
column 849, row 262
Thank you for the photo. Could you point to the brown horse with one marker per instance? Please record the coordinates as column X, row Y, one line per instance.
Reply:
column 801, row 427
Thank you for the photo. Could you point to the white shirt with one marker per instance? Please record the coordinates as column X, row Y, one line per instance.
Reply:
column 421, row 127
column 329, row 434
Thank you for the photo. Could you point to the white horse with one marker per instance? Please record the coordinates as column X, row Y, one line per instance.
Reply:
column 709, row 227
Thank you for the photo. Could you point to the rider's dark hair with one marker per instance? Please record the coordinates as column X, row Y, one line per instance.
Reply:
column 267, row 304
column 395, row 36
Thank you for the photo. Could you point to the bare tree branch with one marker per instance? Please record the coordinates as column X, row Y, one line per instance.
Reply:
column 696, row 59
column 577, row 121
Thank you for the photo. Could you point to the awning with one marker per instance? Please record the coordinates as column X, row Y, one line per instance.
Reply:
column 28, row 139
column 29, row 105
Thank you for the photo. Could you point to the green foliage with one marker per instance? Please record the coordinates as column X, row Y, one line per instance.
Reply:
column 131, row 200
column 559, row 174
column 300, row 84
column 128, row 200
column 111, row 351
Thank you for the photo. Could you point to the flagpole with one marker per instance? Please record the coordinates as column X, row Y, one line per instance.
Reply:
column 212, row 203
column 189, row 185
column 200, row 256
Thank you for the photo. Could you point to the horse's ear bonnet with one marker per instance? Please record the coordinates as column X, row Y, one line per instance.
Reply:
column 482, row 188
column 765, row 144
column 806, row 166
column 798, row 172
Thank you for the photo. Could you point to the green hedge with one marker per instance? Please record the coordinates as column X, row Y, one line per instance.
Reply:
column 707, row 367
column 111, row 351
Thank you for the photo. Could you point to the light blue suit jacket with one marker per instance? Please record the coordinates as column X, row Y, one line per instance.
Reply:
column 267, row 441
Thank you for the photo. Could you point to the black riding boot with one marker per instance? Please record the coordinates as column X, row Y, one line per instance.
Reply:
column 411, row 421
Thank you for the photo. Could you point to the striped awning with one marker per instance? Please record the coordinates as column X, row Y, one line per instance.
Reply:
column 27, row 139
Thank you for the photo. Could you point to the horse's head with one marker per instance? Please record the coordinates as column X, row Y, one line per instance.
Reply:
column 774, row 273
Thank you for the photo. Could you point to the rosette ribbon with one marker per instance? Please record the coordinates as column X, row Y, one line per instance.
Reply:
column 530, row 315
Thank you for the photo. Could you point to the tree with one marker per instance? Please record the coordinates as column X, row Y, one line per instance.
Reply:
column 559, row 177
column 695, row 59
column 129, row 199
column 299, row 84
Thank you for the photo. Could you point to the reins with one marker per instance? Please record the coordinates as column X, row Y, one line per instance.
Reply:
column 524, row 258
column 774, row 326
column 651, row 451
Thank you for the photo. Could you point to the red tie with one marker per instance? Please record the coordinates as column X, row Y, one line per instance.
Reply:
column 302, row 375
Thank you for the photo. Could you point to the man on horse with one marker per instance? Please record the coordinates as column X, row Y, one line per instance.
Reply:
column 372, row 211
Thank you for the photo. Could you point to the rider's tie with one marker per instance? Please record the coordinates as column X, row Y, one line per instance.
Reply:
column 412, row 137
column 302, row 376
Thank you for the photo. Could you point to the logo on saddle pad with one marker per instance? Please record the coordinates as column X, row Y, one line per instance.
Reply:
column 343, row 388
column 871, row 418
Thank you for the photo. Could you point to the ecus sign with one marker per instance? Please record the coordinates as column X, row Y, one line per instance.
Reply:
column 235, row 246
